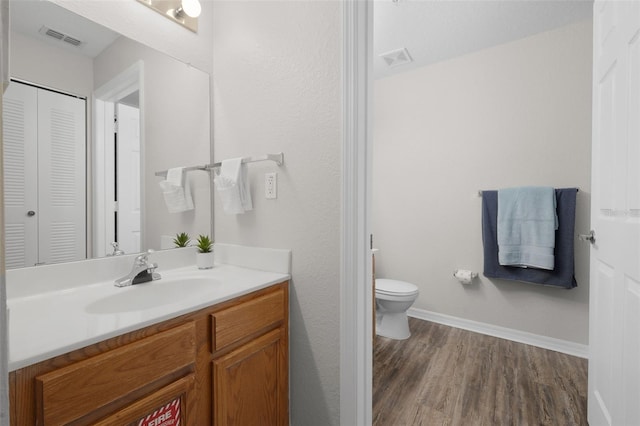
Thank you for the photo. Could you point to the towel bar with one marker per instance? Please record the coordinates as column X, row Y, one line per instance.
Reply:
column 480, row 192
column 277, row 158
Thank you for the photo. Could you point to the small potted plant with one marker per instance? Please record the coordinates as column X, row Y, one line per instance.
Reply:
column 181, row 240
column 204, row 257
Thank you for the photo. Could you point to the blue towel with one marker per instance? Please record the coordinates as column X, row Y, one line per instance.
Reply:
column 563, row 273
column 527, row 224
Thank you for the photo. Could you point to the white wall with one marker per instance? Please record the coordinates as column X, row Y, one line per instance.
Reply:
column 64, row 70
column 177, row 133
column 277, row 79
column 516, row 114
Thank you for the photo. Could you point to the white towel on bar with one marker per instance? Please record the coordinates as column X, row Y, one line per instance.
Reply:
column 177, row 191
column 232, row 185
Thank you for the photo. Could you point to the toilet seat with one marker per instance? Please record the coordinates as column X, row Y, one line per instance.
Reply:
column 388, row 287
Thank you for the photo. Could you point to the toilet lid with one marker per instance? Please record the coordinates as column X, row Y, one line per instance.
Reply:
column 384, row 285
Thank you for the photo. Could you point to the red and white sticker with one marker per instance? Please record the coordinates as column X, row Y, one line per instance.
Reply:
column 169, row 415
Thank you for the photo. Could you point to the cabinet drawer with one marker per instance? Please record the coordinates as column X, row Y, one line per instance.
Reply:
column 67, row 394
column 237, row 322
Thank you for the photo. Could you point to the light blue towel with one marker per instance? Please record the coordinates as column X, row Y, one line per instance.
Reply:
column 527, row 222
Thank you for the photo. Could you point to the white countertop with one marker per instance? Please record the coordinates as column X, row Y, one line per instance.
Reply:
column 46, row 324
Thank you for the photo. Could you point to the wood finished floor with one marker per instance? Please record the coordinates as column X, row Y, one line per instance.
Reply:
column 447, row 376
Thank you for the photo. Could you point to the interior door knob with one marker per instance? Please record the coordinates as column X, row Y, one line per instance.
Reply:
column 31, row 213
column 591, row 237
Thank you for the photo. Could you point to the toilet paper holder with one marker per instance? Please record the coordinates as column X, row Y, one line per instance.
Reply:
column 464, row 276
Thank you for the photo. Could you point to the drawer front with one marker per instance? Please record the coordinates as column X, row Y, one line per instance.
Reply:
column 71, row 392
column 237, row 322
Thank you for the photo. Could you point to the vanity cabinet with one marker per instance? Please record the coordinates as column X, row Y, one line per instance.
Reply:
column 251, row 380
column 222, row 365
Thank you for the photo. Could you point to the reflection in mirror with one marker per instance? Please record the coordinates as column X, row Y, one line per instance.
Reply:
column 98, row 116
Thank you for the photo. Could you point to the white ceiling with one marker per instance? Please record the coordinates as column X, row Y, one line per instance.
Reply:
column 436, row 30
column 28, row 17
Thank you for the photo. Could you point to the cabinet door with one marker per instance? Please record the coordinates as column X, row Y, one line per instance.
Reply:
column 250, row 383
column 168, row 406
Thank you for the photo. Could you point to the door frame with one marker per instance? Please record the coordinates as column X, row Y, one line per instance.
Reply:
column 356, row 292
column 104, row 99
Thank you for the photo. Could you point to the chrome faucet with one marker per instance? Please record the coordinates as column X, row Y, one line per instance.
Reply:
column 116, row 249
column 141, row 272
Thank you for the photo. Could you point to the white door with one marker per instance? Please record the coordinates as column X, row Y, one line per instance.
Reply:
column 45, row 176
column 61, row 178
column 614, row 336
column 20, row 133
column 128, row 178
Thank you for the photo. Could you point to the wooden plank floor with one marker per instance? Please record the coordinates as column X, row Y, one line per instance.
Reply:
column 447, row 376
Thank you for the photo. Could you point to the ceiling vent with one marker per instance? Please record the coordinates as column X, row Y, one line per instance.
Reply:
column 60, row 36
column 396, row 57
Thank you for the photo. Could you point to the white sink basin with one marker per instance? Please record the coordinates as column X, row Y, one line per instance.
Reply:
column 153, row 294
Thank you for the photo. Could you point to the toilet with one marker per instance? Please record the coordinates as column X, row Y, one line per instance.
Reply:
column 393, row 298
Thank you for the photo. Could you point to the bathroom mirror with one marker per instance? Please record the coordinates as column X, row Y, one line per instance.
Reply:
column 161, row 106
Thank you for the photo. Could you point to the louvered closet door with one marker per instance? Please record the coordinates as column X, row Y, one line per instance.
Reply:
column 20, row 134
column 61, row 177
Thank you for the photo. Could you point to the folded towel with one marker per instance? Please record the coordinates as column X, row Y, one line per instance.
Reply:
column 177, row 191
column 563, row 273
column 232, row 185
column 527, row 224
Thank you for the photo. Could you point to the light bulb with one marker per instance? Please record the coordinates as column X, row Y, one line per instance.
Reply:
column 191, row 8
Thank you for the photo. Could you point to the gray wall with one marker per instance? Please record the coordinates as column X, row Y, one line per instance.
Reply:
column 515, row 114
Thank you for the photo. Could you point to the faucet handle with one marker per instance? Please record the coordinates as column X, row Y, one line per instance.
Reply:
column 143, row 258
column 116, row 249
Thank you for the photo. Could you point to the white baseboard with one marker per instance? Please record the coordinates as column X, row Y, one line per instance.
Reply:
column 558, row 345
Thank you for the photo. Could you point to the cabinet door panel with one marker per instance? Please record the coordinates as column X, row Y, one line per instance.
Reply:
column 248, row 388
column 143, row 409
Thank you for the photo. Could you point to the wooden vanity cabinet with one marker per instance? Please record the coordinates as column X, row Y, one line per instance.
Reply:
column 222, row 365
column 250, row 375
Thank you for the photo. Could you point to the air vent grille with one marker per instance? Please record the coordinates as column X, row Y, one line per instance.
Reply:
column 73, row 41
column 61, row 36
column 396, row 57
column 53, row 33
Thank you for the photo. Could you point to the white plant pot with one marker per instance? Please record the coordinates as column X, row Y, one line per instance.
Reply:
column 204, row 260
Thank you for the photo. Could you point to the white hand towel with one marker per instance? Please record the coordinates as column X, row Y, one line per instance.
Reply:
column 245, row 191
column 176, row 190
column 232, row 185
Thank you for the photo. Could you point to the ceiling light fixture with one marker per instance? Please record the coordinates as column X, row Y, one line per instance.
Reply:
column 184, row 12
column 191, row 8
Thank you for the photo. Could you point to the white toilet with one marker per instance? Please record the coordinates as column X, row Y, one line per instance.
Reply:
column 393, row 298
